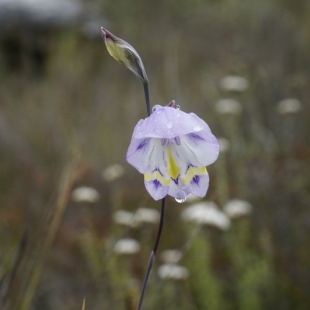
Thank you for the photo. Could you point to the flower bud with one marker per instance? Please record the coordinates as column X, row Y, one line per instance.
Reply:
column 124, row 53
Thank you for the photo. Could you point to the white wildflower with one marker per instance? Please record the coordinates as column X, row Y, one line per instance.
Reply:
column 85, row 194
column 228, row 106
column 237, row 208
column 289, row 106
column 147, row 215
column 224, row 145
column 234, row 83
column 127, row 246
column 206, row 213
column 171, row 256
column 124, row 218
column 192, row 198
column 112, row 172
column 173, row 272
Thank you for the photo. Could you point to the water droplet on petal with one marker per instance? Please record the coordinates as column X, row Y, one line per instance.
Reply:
column 178, row 115
column 180, row 197
column 169, row 125
column 156, row 108
column 197, row 128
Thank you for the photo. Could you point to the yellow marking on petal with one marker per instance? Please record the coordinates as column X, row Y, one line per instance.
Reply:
column 114, row 50
column 173, row 169
column 192, row 172
column 157, row 176
column 120, row 54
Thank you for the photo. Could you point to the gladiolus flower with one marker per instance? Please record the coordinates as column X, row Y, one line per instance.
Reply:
column 172, row 149
column 124, row 53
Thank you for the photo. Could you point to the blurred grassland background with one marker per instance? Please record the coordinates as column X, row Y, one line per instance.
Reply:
column 67, row 112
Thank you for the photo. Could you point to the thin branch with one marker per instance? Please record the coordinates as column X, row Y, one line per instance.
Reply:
column 153, row 253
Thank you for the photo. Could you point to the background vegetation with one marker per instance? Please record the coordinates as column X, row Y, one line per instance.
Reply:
column 67, row 111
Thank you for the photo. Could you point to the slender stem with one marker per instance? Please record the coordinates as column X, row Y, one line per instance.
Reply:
column 153, row 253
column 68, row 178
column 160, row 226
column 10, row 291
column 147, row 97
column 162, row 214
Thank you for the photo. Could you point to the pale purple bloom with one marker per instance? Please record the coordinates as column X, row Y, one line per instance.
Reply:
column 172, row 149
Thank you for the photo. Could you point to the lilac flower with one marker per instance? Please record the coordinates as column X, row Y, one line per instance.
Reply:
column 172, row 149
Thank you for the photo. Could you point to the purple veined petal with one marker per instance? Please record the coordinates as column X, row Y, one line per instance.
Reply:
column 147, row 155
column 150, row 155
column 168, row 123
column 203, row 146
column 195, row 149
column 156, row 189
column 138, row 154
column 197, row 180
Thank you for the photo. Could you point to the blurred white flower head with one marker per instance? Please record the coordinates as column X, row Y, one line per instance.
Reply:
column 289, row 106
column 234, row 83
column 228, row 106
column 172, row 272
column 224, row 145
column 147, row 215
column 112, row 172
column 124, row 218
column 236, row 208
column 192, row 198
column 171, row 256
column 206, row 213
column 127, row 246
column 85, row 194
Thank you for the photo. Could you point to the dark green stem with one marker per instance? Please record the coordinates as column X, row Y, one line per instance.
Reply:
column 147, row 97
column 153, row 253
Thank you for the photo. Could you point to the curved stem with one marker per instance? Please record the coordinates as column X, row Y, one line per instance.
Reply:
column 153, row 253
column 147, row 97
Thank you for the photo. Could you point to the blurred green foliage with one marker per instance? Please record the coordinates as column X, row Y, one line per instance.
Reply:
column 81, row 105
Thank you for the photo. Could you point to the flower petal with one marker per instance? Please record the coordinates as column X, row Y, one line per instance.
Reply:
column 146, row 155
column 167, row 123
column 156, row 175
column 197, row 180
column 156, row 189
column 202, row 148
